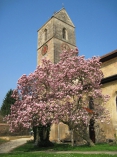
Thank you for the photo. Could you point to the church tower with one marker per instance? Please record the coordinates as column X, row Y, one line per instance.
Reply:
column 56, row 35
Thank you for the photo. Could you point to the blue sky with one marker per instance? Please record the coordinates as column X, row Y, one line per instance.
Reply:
column 96, row 32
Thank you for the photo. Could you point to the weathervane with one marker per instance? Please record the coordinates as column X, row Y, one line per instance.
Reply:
column 63, row 5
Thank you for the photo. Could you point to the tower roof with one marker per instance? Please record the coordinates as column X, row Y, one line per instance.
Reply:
column 63, row 16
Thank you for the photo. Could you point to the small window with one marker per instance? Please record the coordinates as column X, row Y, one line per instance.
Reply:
column 45, row 34
column 64, row 33
column 91, row 104
column 116, row 102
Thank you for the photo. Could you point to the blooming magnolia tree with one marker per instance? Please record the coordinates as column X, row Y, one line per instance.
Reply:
column 34, row 106
column 60, row 92
column 78, row 86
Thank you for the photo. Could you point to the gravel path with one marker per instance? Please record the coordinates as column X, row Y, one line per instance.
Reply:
column 86, row 152
column 8, row 146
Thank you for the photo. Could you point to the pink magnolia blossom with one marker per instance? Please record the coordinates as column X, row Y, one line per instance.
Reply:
column 60, row 92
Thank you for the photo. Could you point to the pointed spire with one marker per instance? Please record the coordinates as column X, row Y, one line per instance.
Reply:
column 62, row 5
column 63, row 16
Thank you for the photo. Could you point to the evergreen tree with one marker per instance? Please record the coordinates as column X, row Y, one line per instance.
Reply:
column 7, row 102
column 1, row 117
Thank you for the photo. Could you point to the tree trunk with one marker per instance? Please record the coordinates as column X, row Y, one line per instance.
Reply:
column 87, row 138
column 36, row 135
column 44, row 132
column 35, row 132
column 72, row 137
column 89, row 141
column 84, row 135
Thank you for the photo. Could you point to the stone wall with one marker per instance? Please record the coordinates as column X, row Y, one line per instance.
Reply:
column 58, row 27
column 111, row 90
column 49, row 27
column 4, row 129
column 109, row 67
column 49, row 55
column 59, row 132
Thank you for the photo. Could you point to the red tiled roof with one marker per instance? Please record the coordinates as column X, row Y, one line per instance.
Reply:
column 109, row 56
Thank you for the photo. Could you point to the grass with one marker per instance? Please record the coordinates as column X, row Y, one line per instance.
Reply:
column 29, row 146
column 29, row 150
column 44, row 154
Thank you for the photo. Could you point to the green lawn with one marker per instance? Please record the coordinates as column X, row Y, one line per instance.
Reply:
column 42, row 154
column 29, row 146
column 29, row 150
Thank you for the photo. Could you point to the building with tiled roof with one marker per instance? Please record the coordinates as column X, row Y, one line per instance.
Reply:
column 109, row 87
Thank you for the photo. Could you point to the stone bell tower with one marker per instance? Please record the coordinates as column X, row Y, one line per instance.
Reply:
column 56, row 35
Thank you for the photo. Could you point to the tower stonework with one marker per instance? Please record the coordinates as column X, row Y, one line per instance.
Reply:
column 56, row 35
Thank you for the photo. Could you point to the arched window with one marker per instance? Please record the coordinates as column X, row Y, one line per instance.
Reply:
column 64, row 33
column 91, row 104
column 45, row 34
